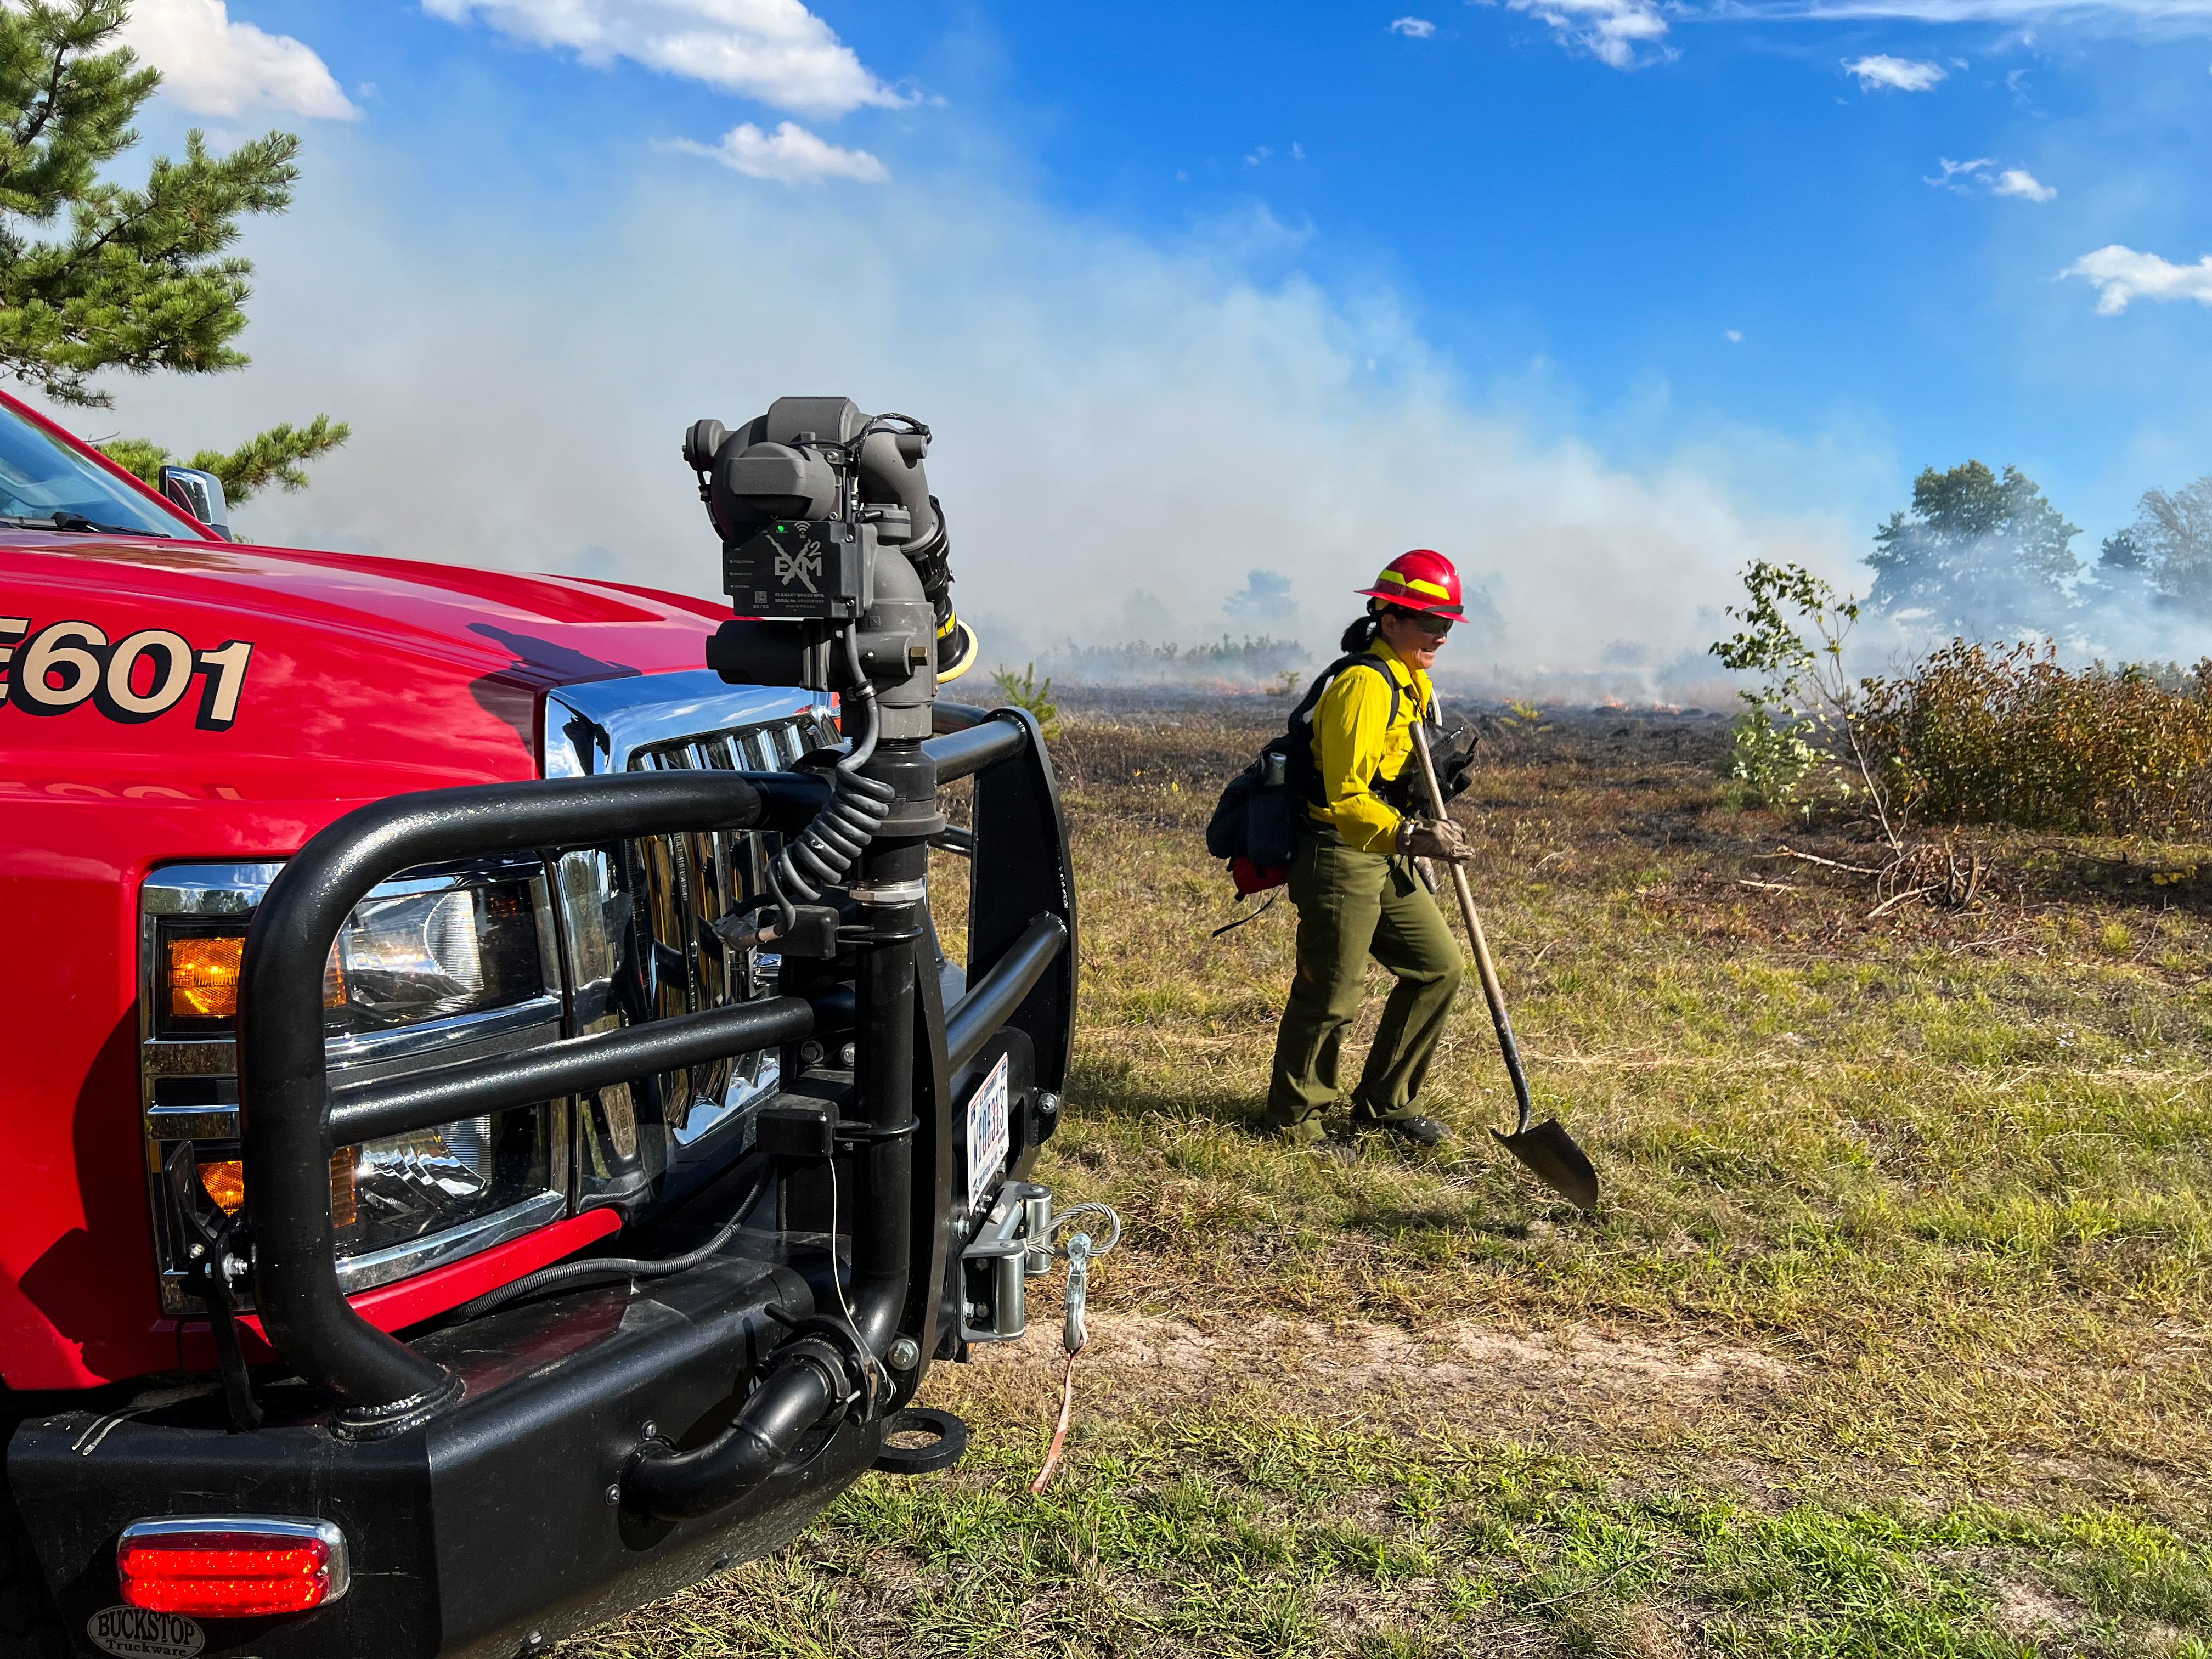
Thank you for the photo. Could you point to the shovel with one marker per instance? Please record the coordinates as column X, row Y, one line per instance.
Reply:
column 1547, row 1149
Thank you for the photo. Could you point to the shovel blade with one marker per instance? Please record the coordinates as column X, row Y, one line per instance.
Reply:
column 1553, row 1158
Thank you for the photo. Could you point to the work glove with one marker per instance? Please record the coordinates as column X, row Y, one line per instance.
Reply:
column 1427, row 838
column 1452, row 752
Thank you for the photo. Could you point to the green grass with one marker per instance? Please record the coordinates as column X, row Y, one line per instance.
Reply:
column 1228, row 1531
column 1903, row 1273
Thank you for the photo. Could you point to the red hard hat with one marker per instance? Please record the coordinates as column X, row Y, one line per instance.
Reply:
column 1422, row 579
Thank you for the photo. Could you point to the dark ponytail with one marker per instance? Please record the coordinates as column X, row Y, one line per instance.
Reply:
column 1361, row 635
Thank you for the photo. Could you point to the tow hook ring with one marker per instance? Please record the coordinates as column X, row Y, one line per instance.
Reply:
column 950, row 1446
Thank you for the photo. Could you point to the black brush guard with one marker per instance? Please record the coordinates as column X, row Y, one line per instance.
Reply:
column 525, row 1474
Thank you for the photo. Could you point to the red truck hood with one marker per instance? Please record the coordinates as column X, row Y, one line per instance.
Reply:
column 366, row 677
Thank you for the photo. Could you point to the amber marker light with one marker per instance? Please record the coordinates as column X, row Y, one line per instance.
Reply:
column 224, row 1180
column 231, row 1567
column 203, row 975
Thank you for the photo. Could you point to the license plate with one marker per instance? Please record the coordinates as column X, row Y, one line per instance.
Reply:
column 987, row 1133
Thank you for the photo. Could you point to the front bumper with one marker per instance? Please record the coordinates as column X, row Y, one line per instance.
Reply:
column 488, row 1530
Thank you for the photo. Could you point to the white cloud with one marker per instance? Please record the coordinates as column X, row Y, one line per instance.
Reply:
column 776, row 50
column 1298, row 152
column 213, row 66
column 1734, row 336
column 2121, row 274
column 1413, row 29
column 2019, row 181
column 791, row 154
column 1957, row 175
column 1898, row 74
column 1624, row 34
column 1980, row 177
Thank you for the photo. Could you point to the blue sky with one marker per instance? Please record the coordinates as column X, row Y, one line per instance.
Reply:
column 1721, row 278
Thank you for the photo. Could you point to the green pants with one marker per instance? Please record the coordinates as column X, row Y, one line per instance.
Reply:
column 1351, row 906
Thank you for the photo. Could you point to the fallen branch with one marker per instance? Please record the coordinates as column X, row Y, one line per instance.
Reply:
column 1767, row 886
column 1814, row 858
column 1929, row 870
column 1891, row 903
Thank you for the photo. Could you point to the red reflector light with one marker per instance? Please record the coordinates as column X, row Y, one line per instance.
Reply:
column 231, row 1567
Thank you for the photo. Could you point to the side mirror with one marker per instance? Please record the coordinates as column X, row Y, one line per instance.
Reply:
column 199, row 493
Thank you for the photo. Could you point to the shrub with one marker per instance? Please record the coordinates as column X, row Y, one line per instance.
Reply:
column 2003, row 734
column 1769, row 760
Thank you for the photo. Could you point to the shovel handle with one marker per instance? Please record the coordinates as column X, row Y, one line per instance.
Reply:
column 1492, row 992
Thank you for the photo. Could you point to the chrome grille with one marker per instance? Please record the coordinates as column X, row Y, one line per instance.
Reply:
column 686, row 884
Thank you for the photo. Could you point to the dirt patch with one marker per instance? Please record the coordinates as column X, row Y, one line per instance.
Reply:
column 2030, row 1610
column 1513, row 1383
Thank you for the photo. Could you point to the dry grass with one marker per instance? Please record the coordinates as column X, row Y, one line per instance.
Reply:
column 1891, row 1337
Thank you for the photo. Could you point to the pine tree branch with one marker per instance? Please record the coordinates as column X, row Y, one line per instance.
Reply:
column 143, row 279
column 279, row 456
column 29, row 135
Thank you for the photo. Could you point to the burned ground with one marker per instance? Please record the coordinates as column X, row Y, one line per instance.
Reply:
column 1890, row 1338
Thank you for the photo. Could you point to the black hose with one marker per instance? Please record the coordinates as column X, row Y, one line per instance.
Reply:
column 573, row 1273
column 819, row 855
column 799, row 1389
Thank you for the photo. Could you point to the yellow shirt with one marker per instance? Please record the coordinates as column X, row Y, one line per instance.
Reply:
column 1357, row 745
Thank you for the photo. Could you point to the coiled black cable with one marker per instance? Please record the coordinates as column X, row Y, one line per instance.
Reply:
column 819, row 855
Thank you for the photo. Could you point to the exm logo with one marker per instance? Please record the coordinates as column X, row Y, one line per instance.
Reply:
column 800, row 564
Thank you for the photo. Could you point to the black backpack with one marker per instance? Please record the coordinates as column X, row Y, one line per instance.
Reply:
column 1255, row 822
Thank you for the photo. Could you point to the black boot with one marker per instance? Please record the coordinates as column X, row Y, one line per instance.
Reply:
column 1416, row 1131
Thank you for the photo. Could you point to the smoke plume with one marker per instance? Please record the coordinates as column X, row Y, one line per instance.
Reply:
column 1134, row 441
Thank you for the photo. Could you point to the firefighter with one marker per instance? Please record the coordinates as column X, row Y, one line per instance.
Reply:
column 1352, row 877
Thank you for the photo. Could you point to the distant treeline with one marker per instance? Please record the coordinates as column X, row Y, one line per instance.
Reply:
column 1260, row 662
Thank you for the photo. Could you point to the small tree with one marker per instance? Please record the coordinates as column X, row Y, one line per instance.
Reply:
column 96, row 275
column 2119, row 553
column 1022, row 691
column 1805, row 710
column 1980, row 557
column 2119, row 584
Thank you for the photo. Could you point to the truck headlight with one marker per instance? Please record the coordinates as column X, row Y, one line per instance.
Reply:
column 390, row 1191
column 406, row 958
column 431, row 967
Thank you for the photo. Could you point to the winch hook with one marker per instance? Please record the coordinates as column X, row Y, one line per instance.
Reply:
column 1078, row 1251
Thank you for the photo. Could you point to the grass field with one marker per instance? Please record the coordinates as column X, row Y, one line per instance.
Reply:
column 1891, row 1337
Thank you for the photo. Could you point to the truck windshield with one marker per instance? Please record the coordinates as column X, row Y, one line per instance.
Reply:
column 44, row 483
